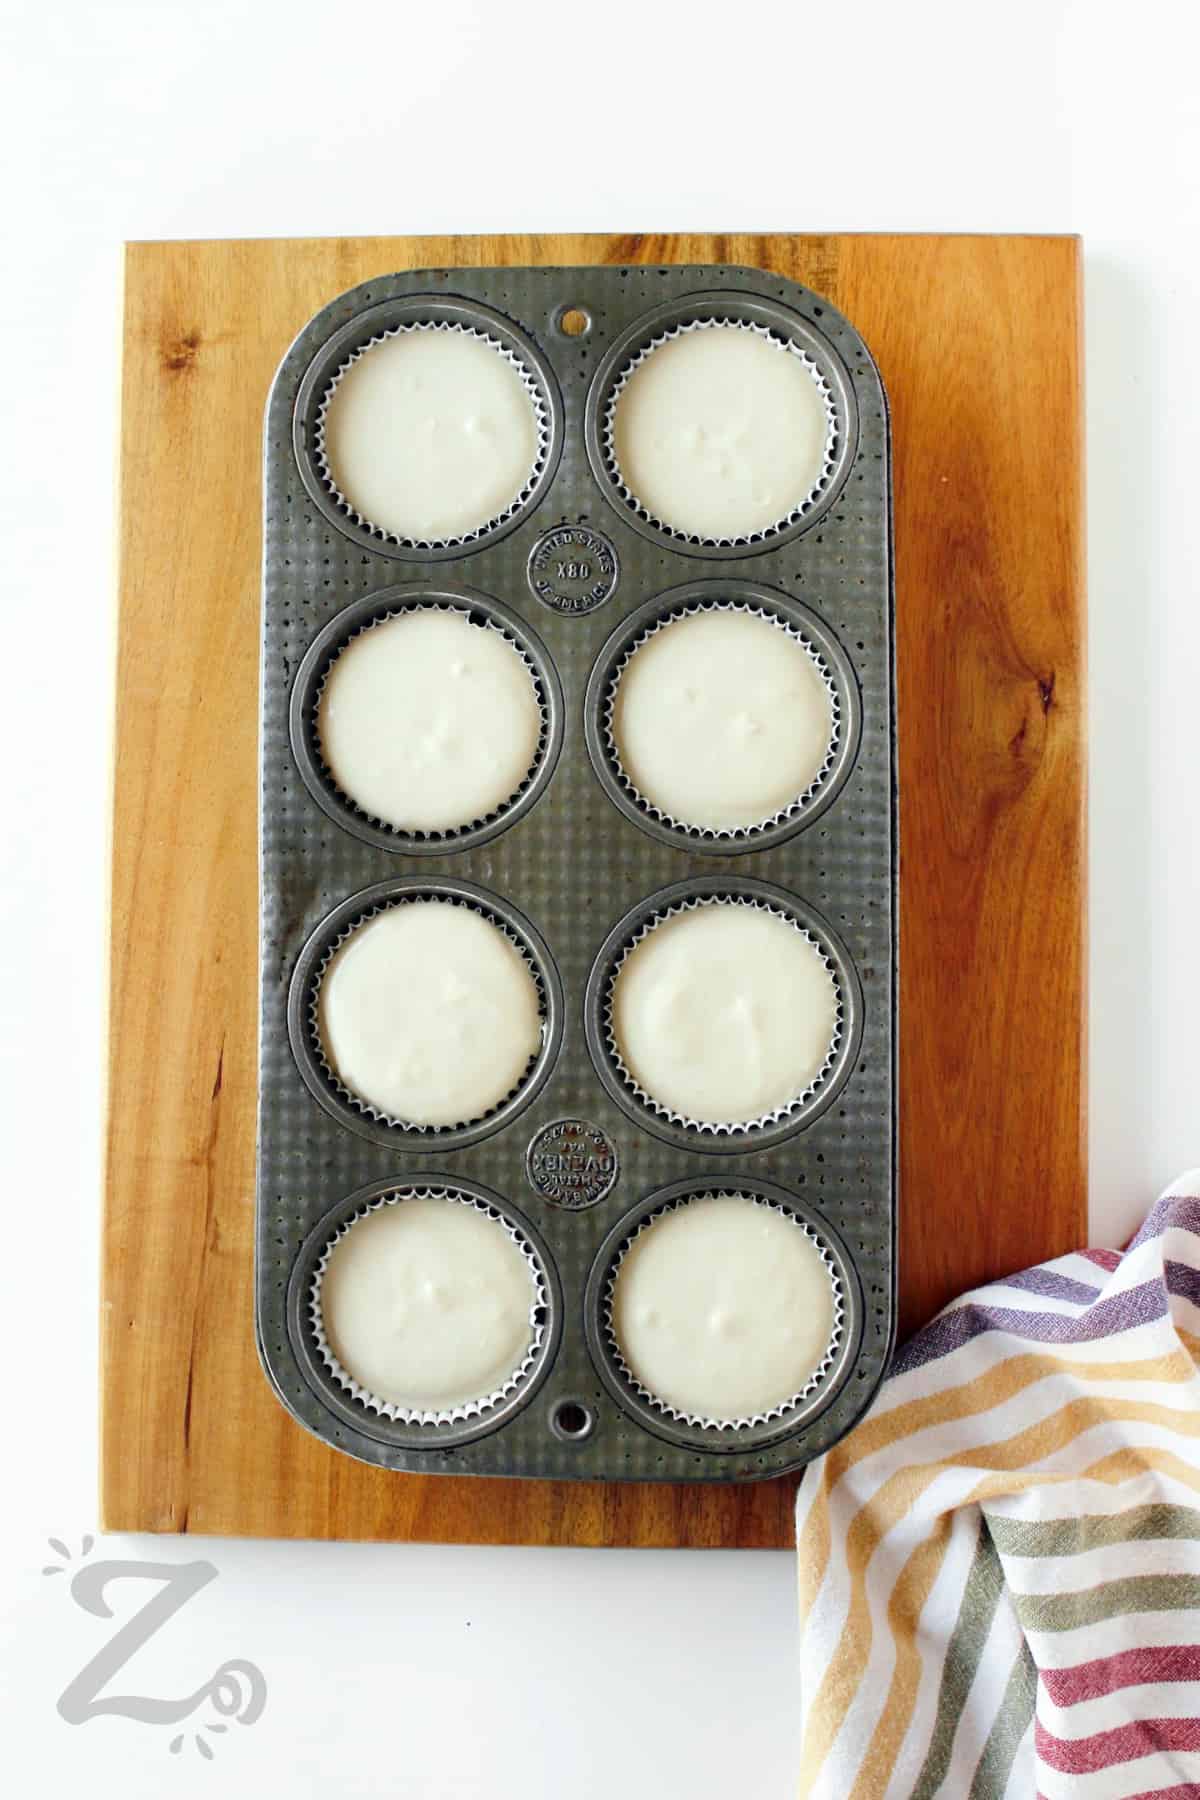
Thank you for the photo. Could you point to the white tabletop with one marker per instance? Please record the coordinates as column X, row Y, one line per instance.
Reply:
column 496, row 1674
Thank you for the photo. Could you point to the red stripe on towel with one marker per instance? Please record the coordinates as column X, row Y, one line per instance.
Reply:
column 1187, row 1790
column 1107, row 1259
column 1145, row 1737
column 1129, row 1668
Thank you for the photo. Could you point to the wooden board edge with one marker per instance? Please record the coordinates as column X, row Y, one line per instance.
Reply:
column 1080, row 580
column 108, row 1049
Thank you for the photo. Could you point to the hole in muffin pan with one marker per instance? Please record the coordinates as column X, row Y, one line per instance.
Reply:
column 377, row 608
column 572, row 1421
column 582, row 867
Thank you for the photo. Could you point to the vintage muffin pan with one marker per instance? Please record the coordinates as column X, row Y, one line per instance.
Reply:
column 575, row 868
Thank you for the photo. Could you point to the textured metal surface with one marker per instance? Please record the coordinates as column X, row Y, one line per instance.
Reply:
column 572, row 864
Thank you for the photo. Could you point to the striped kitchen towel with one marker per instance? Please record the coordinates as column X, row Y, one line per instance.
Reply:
column 1000, row 1569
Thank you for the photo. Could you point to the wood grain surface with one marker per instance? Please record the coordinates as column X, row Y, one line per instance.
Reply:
column 979, row 344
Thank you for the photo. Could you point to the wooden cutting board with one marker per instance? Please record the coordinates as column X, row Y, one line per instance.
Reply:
column 979, row 344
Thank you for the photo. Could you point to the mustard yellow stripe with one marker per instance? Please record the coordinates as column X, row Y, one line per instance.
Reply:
column 992, row 1388
column 844, row 1671
column 894, row 1499
column 904, row 1609
column 1119, row 1466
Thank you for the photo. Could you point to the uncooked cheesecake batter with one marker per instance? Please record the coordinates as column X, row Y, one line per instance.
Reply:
column 429, row 722
column 721, row 719
column 427, row 1304
column 724, row 1013
column 720, row 432
column 723, row 1309
column 430, row 434
column 429, row 1013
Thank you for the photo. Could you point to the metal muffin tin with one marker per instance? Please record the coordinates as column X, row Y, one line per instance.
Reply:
column 574, row 865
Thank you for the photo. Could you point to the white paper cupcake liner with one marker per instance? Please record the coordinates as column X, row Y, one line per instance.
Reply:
column 721, row 1128
column 802, row 505
column 363, row 1106
column 450, row 833
column 784, row 814
column 467, row 1409
column 541, row 418
column 755, row 1421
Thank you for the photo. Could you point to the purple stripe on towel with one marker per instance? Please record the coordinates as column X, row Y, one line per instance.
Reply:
column 1120, row 1312
column 1174, row 1212
column 1052, row 1286
column 1183, row 1280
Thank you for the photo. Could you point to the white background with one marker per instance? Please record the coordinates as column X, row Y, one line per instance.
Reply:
column 521, row 1675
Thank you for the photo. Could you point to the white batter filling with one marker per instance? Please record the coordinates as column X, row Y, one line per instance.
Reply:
column 427, row 1304
column 724, row 1013
column 720, row 432
column 721, row 719
column 429, row 722
column 723, row 1309
column 429, row 1013
column 430, row 434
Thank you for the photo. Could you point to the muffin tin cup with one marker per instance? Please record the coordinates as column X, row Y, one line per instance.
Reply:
column 323, row 1081
column 351, row 1404
column 692, row 1134
column 726, row 1436
column 374, row 609
column 834, row 667
column 571, row 1158
column 750, row 312
column 373, row 325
